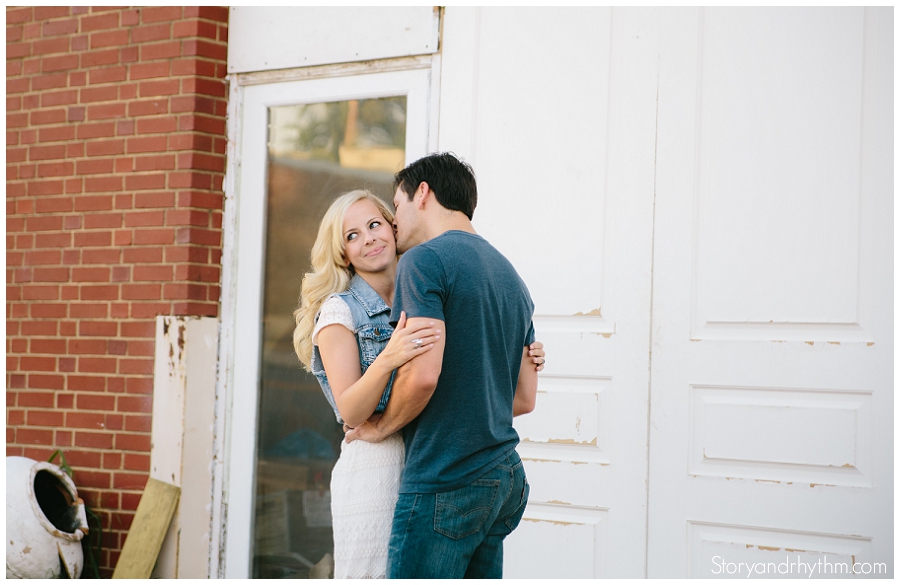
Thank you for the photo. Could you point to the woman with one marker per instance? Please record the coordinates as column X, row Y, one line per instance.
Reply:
column 354, row 261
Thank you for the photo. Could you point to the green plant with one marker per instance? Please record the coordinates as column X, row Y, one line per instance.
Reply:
column 92, row 544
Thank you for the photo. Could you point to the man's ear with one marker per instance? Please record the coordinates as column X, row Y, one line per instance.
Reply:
column 422, row 194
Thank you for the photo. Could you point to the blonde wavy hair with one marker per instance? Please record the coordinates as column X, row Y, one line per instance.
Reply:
column 331, row 272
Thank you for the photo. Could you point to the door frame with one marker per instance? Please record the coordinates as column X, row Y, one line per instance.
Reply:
column 244, row 219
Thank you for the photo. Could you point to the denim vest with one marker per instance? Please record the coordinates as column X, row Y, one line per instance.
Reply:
column 370, row 316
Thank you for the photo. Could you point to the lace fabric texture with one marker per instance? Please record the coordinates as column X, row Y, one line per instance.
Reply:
column 333, row 311
column 364, row 488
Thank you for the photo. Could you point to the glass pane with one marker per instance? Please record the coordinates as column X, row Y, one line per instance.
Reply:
column 316, row 152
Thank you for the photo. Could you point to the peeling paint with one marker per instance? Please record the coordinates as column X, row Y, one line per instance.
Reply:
column 560, row 502
column 834, row 342
column 772, row 548
column 870, row 343
column 591, row 313
column 796, row 550
column 809, row 342
column 181, row 330
column 542, row 460
column 557, row 522
column 593, row 442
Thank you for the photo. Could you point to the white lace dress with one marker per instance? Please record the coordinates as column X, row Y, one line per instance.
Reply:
column 364, row 488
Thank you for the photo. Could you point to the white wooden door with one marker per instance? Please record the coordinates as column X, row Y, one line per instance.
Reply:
column 560, row 132
column 700, row 201
column 771, row 420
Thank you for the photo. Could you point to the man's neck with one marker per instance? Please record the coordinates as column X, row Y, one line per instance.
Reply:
column 445, row 221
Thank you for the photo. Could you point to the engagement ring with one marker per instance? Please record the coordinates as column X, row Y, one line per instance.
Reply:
column 417, row 343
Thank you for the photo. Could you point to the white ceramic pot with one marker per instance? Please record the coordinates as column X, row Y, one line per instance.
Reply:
column 45, row 521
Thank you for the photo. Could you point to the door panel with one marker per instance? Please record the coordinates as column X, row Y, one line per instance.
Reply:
column 560, row 131
column 771, row 379
column 778, row 170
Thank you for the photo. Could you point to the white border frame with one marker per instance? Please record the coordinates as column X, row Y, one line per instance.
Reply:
column 243, row 261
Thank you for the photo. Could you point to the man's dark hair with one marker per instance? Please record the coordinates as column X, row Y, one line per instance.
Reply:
column 451, row 179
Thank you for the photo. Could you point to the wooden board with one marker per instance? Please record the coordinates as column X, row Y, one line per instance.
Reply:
column 145, row 538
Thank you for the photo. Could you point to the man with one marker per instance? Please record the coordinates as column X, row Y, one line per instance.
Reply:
column 463, row 488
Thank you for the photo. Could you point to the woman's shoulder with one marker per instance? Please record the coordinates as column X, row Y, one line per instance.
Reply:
column 335, row 305
column 334, row 311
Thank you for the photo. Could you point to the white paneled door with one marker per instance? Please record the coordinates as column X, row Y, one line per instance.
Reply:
column 555, row 108
column 701, row 203
column 771, row 420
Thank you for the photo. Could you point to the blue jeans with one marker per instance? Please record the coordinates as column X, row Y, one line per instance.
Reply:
column 458, row 534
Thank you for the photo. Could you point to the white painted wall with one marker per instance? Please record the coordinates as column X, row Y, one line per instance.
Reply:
column 701, row 202
column 263, row 38
column 184, row 395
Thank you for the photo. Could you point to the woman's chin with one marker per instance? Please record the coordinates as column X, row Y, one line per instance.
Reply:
column 377, row 267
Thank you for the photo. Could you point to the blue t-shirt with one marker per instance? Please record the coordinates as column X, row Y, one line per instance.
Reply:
column 466, row 428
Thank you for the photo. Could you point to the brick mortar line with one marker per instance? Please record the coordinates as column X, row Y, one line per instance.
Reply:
column 125, row 155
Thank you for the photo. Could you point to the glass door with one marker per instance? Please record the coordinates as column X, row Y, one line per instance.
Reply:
column 315, row 152
column 303, row 144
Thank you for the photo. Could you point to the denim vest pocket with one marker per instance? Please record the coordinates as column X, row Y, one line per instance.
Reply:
column 463, row 512
column 372, row 339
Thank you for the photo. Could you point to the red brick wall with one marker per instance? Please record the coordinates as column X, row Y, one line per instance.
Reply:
column 115, row 160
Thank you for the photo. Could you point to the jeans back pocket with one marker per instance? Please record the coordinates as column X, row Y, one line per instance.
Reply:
column 463, row 512
column 513, row 520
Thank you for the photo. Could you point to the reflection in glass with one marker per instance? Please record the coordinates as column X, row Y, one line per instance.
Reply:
column 316, row 152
